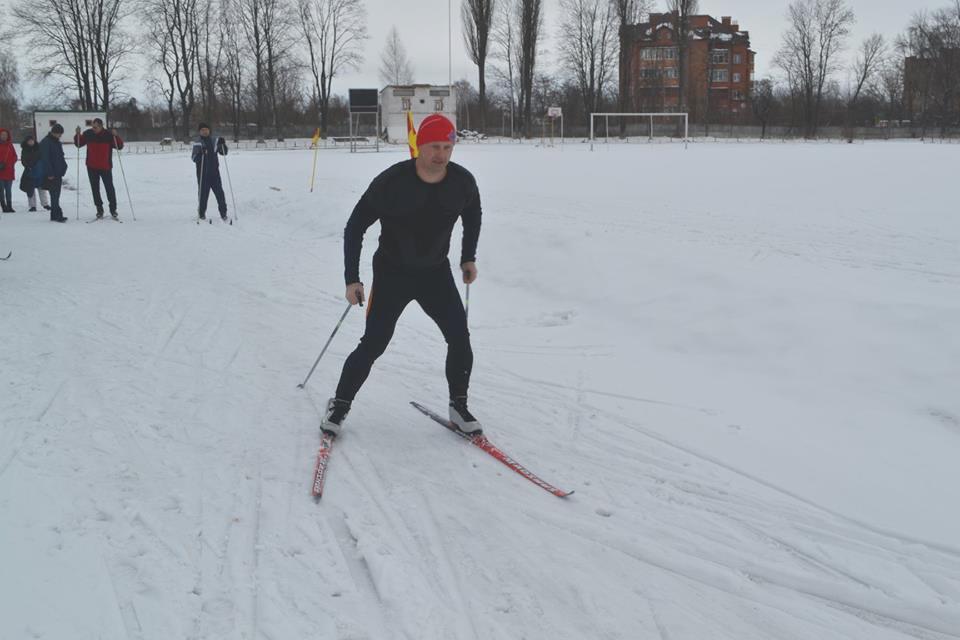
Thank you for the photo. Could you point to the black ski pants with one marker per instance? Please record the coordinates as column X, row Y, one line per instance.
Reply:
column 436, row 293
column 106, row 175
column 208, row 183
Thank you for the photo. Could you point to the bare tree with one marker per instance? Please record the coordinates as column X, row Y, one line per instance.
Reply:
column 174, row 26
column 266, row 26
column 232, row 76
column 334, row 31
column 477, row 18
column 816, row 34
column 866, row 66
column 629, row 12
column 9, row 88
column 530, row 22
column 685, row 10
column 394, row 65
column 504, row 35
column 588, row 46
column 762, row 103
column 79, row 43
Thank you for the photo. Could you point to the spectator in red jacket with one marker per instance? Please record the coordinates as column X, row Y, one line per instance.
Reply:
column 100, row 144
column 8, row 160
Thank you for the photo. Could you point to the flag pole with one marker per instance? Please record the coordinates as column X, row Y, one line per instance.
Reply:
column 316, row 151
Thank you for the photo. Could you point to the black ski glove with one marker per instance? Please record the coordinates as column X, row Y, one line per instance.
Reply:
column 221, row 146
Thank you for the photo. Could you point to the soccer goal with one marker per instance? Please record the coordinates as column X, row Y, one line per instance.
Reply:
column 643, row 119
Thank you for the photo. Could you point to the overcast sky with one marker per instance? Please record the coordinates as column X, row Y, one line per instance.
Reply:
column 423, row 29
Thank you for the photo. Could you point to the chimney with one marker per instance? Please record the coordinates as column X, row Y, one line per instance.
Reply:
column 726, row 21
column 736, row 27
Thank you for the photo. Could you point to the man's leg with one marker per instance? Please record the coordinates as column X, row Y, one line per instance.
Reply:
column 94, row 176
column 107, row 176
column 389, row 295
column 217, row 186
column 53, row 187
column 204, row 196
column 438, row 296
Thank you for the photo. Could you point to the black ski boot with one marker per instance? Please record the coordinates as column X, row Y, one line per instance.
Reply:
column 337, row 411
column 462, row 418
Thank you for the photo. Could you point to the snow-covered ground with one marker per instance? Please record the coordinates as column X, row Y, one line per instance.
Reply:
column 745, row 359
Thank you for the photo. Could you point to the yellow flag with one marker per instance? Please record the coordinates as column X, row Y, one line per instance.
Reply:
column 316, row 137
column 412, row 136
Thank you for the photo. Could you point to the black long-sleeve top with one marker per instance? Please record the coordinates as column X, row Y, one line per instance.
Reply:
column 416, row 220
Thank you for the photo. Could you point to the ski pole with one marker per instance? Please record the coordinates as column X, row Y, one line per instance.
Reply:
column 77, row 142
column 230, row 184
column 329, row 340
column 123, row 174
column 203, row 158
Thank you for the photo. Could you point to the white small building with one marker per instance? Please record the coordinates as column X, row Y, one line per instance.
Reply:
column 422, row 99
column 69, row 120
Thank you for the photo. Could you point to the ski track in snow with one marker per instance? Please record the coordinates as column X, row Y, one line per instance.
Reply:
column 744, row 467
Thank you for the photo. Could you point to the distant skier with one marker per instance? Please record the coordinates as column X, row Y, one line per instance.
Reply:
column 100, row 144
column 417, row 203
column 8, row 163
column 51, row 168
column 29, row 157
column 205, row 153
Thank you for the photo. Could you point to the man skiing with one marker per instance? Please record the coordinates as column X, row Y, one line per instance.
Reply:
column 417, row 203
column 208, row 170
column 100, row 144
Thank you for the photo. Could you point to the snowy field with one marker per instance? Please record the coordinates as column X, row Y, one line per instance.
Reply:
column 745, row 360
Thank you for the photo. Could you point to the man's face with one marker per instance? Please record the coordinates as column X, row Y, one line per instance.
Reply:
column 56, row 134
column 436, row 155
column 205, row 132
column 3, row 136
column 97, row 127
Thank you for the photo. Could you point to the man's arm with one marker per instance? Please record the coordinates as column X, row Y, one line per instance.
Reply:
column 364, row 215
column 471, row 227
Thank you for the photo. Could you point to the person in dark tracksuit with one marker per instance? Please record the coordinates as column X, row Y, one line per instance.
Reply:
column 417, row 203
column 100, row 144
column 50, row 169
column 204, row 155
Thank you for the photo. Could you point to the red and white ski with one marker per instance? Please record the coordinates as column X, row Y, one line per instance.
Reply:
column 319, row 472
column 481, row 442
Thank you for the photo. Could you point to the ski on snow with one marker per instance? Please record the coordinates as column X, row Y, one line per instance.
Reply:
column 320, row 471
column 481, row 442
column 8, row 256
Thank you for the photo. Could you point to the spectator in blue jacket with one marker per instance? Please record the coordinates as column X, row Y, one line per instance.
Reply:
column 49, row 171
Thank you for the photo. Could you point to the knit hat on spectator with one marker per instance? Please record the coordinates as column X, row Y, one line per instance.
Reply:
column 202, row 125
column 436, row 128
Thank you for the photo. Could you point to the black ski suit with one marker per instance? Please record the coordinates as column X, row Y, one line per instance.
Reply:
column 416, row 223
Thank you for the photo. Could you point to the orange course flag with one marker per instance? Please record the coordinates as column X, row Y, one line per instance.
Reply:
column 316, row 136
column 412, row 136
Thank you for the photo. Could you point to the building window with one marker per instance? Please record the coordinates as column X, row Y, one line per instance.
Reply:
column 435, row 93
column 659, row 53
column 438, row 105
column 671, row 72
column 719, row 75
column 403, row 92
column 406, row 104
column 736, row 77
column 737, row 95
column 720, row 56
column 737, row 58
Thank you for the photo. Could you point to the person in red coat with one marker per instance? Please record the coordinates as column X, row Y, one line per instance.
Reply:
column 8, row 161
column 100, row 144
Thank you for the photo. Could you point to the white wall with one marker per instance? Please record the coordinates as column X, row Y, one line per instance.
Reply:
column 421, row 103
column 69, row 120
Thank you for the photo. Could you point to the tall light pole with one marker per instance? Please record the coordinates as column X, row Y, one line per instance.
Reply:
column 449, row 48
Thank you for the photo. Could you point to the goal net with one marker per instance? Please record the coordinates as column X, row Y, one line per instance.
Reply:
column 605, row 127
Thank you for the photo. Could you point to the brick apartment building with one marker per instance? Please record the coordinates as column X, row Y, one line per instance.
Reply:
column 719, row 70
column 930, row 87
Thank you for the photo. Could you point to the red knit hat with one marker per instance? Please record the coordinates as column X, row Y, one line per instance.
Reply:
column 436, row 128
